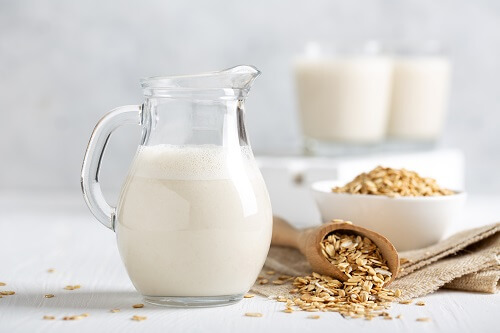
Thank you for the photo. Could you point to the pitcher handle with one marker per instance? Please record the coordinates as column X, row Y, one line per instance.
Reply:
column 124, row 115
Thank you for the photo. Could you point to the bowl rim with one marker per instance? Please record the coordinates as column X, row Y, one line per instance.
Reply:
column 320, row 187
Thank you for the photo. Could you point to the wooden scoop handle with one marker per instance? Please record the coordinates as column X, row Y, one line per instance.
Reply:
column 284, row 234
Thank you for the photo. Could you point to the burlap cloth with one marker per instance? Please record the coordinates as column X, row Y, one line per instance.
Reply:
column 468, row 260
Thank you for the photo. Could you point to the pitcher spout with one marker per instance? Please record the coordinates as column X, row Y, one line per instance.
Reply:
column 241, row 77
column 238, row 79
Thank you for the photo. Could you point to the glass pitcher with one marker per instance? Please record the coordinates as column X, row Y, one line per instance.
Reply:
column 193, row 221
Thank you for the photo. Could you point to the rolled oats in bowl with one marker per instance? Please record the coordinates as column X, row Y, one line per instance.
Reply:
column 410, row 210
column 393, row 183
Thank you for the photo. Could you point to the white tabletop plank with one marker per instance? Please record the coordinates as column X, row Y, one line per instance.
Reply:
column 57, row 233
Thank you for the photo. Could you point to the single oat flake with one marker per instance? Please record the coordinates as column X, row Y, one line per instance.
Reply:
column 48, row 295
column 138, row 306
column 253, row 314
column 72, row 287
column 49, row 317
column 138, row 318
column 248, row 296
column 76, row 317
column 278, row 282
column 403, row 261
column 424, row 319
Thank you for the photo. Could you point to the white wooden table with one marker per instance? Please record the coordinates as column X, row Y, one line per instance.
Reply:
column 43, row 231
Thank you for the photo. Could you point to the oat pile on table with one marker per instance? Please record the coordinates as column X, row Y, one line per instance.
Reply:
column 362, row 296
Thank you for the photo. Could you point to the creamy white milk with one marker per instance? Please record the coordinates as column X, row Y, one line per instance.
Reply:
column 194, row 221
column 344, row 99
column 419, row 97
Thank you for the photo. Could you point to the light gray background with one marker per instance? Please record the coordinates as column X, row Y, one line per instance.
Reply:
column 63, row 64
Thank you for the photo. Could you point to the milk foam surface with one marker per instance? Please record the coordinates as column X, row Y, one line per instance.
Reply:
column 204, row 162
column 194, row 221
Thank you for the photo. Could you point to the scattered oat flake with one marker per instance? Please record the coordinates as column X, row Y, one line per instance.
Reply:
column 114, row 310
column 253, row 314
column 263, row 281
column 49, row 317
column 420, row 303
column 7, row 292
column 2, row 284
column 408, row 301
column 288, row 310
column 76, row 317
column 403, row 261
column 248, row 296
column 138, row 306
column 48, row 295
column 51, row 270
column 314, row 317
column 424, row 319
column 270, row 272
column 278, row 282
column 399, row 316
column 70, row 287
column 139, row 318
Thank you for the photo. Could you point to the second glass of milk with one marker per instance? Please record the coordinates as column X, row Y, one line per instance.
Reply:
column 343, row 97
column 421, row 84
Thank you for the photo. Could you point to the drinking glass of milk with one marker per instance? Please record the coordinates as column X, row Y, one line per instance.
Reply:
column 343, row 96
column 421, row 84
column 193, row 221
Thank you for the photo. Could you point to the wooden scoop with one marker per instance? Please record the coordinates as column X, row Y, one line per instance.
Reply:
column 308, row 242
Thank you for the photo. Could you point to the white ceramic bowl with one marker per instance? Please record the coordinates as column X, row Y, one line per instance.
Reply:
column 408, row 222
